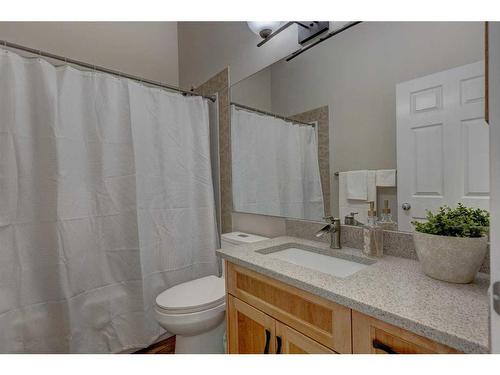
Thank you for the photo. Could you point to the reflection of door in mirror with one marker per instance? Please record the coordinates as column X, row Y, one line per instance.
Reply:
column 442, row 142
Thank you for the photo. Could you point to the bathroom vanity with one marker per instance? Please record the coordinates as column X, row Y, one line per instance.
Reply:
column 387, row 306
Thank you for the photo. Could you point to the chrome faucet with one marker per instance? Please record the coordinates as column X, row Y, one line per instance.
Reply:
column 333, row 228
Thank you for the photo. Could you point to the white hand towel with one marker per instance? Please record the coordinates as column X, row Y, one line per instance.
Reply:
column 371, row 187
column 386, row 177
column 357, row 187
column 346, row 206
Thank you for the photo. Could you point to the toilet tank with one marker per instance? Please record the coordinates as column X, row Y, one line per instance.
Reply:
column 229, row 240
column 234, row 239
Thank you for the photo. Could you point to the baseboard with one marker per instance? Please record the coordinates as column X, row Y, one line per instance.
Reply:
column 166, row 346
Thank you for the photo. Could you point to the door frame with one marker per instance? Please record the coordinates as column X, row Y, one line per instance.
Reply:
column 494, row 117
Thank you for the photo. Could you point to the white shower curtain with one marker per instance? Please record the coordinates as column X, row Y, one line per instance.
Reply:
column 275, row 167
column 106, row 199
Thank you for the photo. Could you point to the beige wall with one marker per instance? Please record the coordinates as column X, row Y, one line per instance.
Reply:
column 254, row 92
column 205, row 48
column 146, row 49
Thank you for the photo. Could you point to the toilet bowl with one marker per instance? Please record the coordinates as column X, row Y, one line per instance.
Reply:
column 194, row 311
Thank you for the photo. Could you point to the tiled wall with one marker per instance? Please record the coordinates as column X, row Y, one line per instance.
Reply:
column 219, row 84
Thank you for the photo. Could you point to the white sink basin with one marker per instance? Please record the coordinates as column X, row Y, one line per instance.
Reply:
column 323, row 263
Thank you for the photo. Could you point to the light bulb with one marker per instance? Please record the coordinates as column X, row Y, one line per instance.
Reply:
column 263, row 28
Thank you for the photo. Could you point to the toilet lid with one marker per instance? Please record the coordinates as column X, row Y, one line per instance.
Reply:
column 192, row 296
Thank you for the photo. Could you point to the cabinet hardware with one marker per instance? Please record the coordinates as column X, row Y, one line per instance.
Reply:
column 268, row 339
column 381, row 346
column 278, row 340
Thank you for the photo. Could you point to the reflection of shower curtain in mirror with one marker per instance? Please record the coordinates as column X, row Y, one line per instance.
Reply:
column 275, row 167
column 106, row 199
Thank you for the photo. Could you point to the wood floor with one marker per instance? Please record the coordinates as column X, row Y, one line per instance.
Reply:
column 166, row 346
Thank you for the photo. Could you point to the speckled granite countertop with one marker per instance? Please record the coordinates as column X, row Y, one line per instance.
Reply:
column 393, row 290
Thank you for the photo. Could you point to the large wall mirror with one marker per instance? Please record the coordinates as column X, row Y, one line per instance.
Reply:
column 381, row 112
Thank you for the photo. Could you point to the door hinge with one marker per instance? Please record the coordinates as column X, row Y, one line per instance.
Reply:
column 496, row 297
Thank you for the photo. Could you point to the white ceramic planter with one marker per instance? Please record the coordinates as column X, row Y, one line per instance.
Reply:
column 452, row 259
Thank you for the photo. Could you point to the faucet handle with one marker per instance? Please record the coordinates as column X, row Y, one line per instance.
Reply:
column 332, row 220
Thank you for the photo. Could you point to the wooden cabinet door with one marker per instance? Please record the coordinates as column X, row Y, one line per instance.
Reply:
column 372, row 336
column 290, row 341
column 324, row 321
column 250, row 331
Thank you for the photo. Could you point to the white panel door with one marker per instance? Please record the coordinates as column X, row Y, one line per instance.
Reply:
column 442, row 142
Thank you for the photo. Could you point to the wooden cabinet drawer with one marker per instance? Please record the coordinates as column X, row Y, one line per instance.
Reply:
column 325, row 322
column 372, row 336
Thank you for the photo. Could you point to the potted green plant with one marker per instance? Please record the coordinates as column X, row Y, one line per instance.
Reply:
column 451, row 244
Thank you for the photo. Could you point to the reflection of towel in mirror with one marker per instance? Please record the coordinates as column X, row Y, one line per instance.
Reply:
column 357, row 185
column 386, row 177
column 346, row 206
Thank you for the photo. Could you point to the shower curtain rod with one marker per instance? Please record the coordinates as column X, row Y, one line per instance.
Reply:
column 337, row 173
column 67, row 60
column 287, row 119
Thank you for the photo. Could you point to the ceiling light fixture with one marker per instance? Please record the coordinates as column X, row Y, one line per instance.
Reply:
column 263, row 28
column 310, row 33
column 307, row 30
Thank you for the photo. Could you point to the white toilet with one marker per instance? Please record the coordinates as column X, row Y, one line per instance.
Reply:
column 195, row 310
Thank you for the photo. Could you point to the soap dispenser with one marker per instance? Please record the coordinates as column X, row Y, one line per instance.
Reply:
column 373, row 234
column 386, row 221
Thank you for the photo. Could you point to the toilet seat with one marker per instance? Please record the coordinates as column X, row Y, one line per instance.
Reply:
column 193, row 296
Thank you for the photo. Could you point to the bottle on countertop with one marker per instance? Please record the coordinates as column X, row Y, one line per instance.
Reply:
column 386, row 221
column 373, row 234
